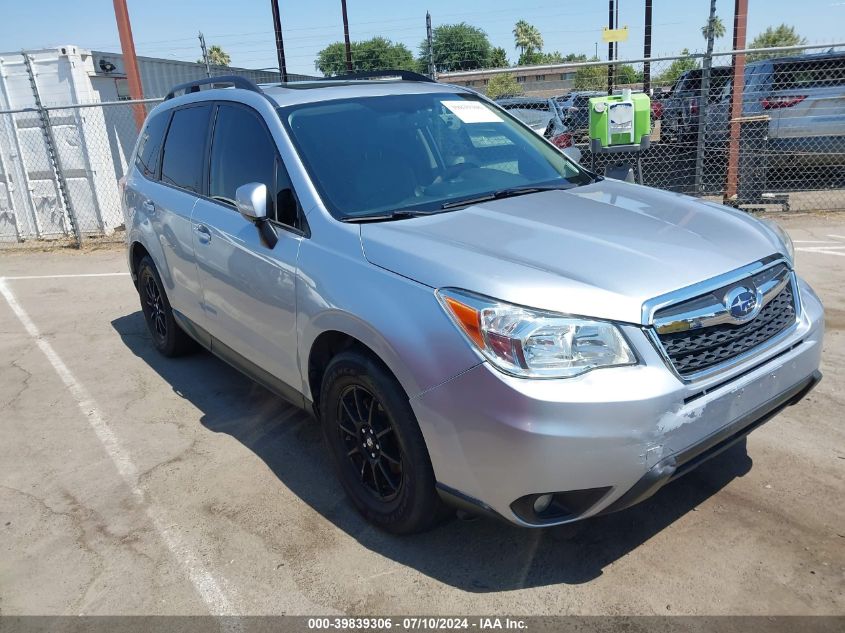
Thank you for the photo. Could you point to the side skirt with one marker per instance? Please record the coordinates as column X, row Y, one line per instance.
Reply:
column 241, row 363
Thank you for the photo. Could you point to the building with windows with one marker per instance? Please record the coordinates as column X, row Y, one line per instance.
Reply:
column 546, row 81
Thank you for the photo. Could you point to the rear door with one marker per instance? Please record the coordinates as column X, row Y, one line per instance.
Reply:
column 165, row 196
column 249, row 288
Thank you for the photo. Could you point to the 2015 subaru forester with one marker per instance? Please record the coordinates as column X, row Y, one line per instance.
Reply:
column 471, row 316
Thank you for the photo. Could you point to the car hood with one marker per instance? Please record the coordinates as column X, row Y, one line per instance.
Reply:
column 597, row 250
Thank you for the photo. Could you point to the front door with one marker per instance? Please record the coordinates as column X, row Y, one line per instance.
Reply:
column 249, row 288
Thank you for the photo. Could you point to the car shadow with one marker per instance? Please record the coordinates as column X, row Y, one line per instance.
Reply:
column 481, row 555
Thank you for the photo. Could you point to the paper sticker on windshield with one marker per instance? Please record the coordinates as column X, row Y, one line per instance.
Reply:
column 472, row 111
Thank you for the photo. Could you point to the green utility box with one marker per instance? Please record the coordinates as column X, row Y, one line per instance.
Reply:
column 620, row 119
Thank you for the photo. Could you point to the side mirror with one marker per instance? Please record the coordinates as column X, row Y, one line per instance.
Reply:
column 251, row 201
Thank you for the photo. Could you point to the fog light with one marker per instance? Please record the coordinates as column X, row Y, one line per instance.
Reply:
column 542, row 503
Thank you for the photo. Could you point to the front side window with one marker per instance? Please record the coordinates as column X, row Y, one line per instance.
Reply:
column 149, row 147
column 184, row 149
column 372, row 155
column 243, row 151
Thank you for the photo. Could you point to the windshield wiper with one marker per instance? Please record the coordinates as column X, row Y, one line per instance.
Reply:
column 504, row 193
column 399, row 214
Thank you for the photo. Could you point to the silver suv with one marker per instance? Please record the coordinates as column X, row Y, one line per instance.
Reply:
column 472, row 317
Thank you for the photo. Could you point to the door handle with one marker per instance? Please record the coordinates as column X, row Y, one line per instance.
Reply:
column 149, row 206
column 203, row 234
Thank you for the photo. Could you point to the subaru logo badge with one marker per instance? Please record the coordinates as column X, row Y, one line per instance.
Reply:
column 743, row 303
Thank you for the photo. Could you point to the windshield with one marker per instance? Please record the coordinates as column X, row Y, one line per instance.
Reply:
column 375, row 155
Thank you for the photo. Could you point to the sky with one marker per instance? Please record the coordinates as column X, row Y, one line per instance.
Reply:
column 244, row 28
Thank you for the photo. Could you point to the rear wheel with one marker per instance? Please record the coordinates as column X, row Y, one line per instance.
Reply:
column 168, row 337
column 377, row 446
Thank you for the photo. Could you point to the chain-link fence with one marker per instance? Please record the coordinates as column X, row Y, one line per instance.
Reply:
column 779, row 141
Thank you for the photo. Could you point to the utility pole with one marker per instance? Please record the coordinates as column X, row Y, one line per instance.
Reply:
column 647, row 49
column 432, row 72
column 704, row 99
column 205, row 55
column 346, row 37
column 280, row 45
column 610, row 4
column 616, row 26
column 738, row 83
column 130, row 62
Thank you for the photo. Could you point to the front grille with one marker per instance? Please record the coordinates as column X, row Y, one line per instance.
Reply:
column 697, row 350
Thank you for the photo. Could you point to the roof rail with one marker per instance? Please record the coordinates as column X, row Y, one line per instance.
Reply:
column 194, row 86
column 406, row 75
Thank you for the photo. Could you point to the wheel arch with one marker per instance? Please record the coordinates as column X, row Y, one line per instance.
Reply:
column 137, row 252
column 328, row 344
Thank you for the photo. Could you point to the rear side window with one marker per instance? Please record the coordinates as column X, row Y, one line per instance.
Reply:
column 800, row 75
column 181, row 164
column 149, row 148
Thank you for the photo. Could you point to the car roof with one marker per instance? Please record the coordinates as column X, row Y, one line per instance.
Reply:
column 811, row 57
column 327, row 90
column 521, row 100
column 370, row 84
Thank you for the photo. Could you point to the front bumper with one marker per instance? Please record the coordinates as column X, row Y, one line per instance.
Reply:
column 609, row 438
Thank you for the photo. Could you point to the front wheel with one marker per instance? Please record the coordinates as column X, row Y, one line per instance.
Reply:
column 377, row 446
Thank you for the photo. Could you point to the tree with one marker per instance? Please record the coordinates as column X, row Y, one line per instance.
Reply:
column 216, row 56
column 781, row 35
column 676, row 69
column 530, row 58
column 503, row 85
column 625, row 75
column 718, row 28
column 591, row 77
column 378, row 53
column 499, row 58
column 527, row 39
column 457, row 47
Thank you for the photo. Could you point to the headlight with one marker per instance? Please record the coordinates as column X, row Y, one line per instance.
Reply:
column 535, row 344
column 783, row 236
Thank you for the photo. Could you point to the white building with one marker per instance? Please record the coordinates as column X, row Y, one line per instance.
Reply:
column 91, row 143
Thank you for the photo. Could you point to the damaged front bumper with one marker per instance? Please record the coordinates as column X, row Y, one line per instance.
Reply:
column 607, row 439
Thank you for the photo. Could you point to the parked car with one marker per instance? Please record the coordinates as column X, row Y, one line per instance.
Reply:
column 472, row 317
column 680, row 115
column 541, row 115
column 803, row 97
column 576, row 111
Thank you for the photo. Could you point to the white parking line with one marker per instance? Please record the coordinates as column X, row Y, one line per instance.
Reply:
column 823, row 251
column 206, row 585
column 838, row 237
column 65, row 276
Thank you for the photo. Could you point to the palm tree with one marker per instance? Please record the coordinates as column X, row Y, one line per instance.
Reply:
column 718, row 28
column 527, row 37
column 217, row 56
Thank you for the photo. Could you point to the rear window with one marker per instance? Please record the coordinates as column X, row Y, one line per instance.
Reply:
column 800, row 75
column 184, row 149
column 149, row 147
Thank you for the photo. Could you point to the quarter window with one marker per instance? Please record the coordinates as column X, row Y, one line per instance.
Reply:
column 184, row 148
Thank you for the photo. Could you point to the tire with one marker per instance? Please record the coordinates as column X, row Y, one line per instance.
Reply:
column 379, row 453
column 168, row 338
